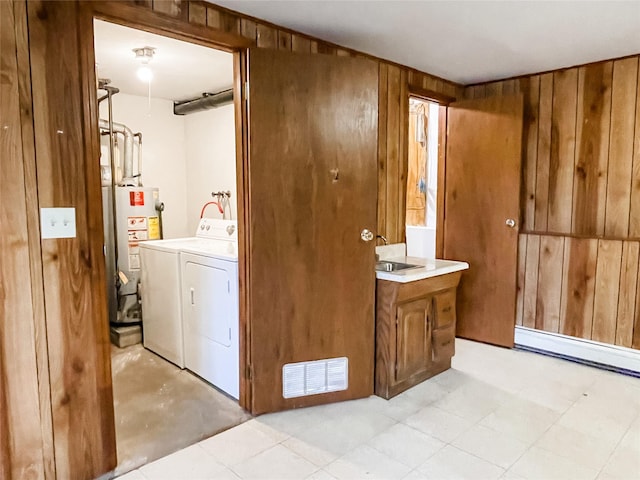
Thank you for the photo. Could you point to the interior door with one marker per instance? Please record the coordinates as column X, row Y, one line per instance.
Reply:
column 482, row 184
column 312, row 188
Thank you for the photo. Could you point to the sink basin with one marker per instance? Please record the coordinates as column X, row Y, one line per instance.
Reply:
column 387, row 266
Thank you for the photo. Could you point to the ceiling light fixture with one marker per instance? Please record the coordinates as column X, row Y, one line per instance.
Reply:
column 144, row 55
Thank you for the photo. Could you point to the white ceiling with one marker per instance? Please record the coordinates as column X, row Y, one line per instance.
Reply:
column 465, row 41
column 181, row 70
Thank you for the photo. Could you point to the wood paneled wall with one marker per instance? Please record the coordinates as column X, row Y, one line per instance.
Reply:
column 66, row 138
column 582, row 287
column 580, row 207
column 22, row 429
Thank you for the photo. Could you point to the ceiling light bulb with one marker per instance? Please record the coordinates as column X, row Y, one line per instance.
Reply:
column 145, row 74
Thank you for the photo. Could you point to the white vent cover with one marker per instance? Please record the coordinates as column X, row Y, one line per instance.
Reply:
column 310, row 378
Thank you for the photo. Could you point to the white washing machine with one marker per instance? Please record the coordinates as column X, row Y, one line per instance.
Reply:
column 161, row 298
column 209, row 270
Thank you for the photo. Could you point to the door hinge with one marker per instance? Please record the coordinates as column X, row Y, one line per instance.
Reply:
column 246, row 91
column 228, row 286
column 249, row 372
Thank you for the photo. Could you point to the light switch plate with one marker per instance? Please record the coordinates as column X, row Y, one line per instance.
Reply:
column 58, row 222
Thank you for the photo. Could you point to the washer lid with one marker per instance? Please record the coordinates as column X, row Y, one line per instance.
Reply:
column 169, row 245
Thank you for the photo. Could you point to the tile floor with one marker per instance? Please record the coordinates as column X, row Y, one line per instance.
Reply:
column 496, row 413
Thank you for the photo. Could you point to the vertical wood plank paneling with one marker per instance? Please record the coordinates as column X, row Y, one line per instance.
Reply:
column 300, row 44
column 479, row 91
column 592, row 148
column 248, row 29
column 522, row 257
column 267, row 37
column 623, row 107
column 284, row 40
column 77, row 335
column 21, row 440
column 562, row 159
column 578, row 286
column 530, row 301
column 326, row 48
column 530, row 88
column 214, row 18
column 33, row 227
column 197, row 14
column 510, row 87
column 634, row 220
column 493, row 89
column 544, row 152
column 173, row 8
column 393, row 152
column 627, row 295
column 607, row 287
column 403, row 157
column 383, row 92
column 549, row 283
column 231, row 23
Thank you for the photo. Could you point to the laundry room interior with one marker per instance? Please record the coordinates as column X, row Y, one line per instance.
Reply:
column 167, row 114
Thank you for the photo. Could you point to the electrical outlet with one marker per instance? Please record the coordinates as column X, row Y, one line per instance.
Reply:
column 58, row 222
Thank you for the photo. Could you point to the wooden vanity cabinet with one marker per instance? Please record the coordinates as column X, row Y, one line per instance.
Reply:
column 415, row 331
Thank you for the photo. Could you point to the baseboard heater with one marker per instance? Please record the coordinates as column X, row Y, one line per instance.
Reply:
column 587, row 352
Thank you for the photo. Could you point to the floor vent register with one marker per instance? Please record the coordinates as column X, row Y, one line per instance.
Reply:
column 311, row 378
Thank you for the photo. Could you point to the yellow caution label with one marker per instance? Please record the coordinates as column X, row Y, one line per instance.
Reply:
column 153, row 224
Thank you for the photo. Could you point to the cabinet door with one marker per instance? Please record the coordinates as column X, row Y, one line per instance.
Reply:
column 413, row 337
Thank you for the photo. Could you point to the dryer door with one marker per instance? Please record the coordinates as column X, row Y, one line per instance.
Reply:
column 211, row 321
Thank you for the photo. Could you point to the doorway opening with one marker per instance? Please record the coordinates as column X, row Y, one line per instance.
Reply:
column 422, row 177
column 168, row 175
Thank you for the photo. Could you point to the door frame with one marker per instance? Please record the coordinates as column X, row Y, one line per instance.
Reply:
column 150, row 21
column 417, row 91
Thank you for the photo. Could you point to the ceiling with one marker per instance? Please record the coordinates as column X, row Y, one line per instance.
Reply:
column 181, row 70
column 465, row 41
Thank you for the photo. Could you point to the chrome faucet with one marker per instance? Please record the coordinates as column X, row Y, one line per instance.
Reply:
column 383, row 239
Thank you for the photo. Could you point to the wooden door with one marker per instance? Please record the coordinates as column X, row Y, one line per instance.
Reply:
column 413, row 337
column 312, row 181
column 482, row 192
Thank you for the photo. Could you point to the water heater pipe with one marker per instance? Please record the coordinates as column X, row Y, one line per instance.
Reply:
column 112, row 126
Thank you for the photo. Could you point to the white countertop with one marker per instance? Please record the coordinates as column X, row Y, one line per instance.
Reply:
column 429, row 267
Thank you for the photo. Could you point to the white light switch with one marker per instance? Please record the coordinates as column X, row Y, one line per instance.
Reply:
column 58, row 222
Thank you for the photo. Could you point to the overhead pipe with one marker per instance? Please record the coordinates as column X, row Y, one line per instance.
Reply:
column 206, row 102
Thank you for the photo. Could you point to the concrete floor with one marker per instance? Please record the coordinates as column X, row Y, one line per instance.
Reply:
column 160, row 408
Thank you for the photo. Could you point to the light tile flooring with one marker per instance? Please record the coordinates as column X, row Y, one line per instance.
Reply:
column 496, row 413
